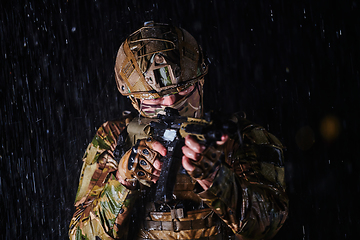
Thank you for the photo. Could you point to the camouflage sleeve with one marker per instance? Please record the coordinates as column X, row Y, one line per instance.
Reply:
column 102, row 203
column 248, row 192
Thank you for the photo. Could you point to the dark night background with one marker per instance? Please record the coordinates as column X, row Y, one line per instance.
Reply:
column 292, row 66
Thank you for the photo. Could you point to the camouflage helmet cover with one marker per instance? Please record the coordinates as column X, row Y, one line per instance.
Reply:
column 158, row 60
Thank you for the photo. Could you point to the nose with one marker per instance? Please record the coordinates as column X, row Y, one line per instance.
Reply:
column 169, row 100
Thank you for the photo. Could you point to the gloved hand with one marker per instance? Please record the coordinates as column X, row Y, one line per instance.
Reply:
column 141, row 163
column 200, row 162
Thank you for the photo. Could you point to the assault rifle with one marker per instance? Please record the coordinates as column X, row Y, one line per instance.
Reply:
column 170, row 130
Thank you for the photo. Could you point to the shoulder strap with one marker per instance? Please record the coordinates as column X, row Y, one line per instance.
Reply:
column 123, row 143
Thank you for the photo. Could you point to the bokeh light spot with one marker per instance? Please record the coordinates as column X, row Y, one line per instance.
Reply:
column 330, row 128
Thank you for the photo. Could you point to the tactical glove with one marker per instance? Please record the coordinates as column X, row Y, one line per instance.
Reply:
column 137, row 163
column 207, row 165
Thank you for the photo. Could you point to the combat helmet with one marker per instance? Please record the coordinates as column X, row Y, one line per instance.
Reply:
column 158, row 60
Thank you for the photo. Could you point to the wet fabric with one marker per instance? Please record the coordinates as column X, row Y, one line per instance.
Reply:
column 247, row 198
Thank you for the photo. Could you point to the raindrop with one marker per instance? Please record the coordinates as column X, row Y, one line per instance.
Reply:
column 303, row 228
column 73, row 29
column 34, row 182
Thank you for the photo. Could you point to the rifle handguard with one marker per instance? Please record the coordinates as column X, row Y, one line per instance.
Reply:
column 208, row 163
column 137, row 163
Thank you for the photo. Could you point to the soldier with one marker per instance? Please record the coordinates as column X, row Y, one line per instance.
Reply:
column 243, row 197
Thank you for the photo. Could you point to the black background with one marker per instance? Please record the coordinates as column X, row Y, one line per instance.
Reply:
column 290, row 65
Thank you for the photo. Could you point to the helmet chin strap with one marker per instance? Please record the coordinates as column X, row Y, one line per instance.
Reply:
column 200, row 87
column 193, row 108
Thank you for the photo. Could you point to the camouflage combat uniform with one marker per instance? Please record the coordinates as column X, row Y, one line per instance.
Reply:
column 247, row 198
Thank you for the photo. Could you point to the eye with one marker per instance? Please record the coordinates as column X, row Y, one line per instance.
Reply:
column 159, row 59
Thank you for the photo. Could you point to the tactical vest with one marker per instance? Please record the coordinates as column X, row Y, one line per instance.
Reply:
column 185, row 217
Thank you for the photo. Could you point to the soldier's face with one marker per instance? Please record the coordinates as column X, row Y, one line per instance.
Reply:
column 168, row 100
